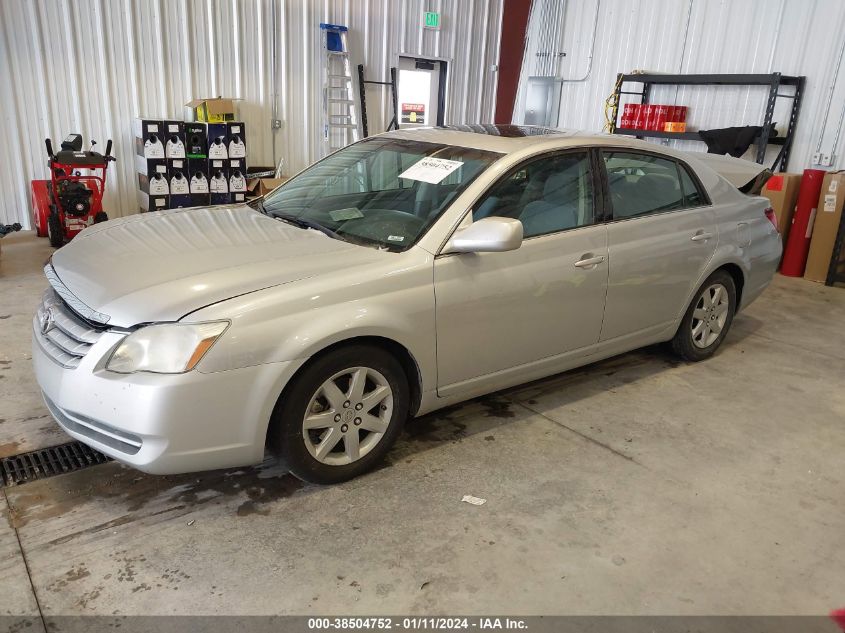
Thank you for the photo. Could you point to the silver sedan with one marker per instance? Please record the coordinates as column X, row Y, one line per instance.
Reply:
column 404, row 273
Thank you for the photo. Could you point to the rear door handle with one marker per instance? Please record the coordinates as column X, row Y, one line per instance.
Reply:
column 701, row 236
column 589, row 261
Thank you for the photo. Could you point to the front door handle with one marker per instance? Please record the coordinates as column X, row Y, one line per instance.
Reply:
column 588, row 261
column 701, row 236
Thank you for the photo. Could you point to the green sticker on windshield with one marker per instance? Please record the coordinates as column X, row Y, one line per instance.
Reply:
column 351, row 213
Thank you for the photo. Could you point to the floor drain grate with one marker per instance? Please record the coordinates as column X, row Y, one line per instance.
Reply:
column 48, row 462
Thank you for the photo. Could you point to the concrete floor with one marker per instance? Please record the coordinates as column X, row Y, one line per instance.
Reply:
column 638, row 485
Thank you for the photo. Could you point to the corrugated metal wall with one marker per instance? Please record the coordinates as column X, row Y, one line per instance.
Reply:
column 794, row 37
column 91, row 66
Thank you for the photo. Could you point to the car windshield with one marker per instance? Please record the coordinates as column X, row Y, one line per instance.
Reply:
column 383, row 192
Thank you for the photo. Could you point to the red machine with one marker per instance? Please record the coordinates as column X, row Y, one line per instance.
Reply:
column 73, row 197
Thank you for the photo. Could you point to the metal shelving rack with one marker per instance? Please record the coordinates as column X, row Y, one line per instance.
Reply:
column 774, row 81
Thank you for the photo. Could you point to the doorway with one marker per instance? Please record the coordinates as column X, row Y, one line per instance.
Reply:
column 422, row 91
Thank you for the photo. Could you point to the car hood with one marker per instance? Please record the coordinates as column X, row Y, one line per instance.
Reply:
column 161, row 266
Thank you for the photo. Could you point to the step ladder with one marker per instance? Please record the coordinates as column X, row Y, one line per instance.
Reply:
column 340, row 116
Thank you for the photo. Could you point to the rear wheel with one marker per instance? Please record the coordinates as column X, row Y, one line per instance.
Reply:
column 708, row 318
column 340, row 415
column 100, row 216
column 40, row 229
column 55, row 231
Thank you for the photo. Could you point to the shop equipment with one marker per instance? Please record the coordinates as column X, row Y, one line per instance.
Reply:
column 73, row 197
column 775, row 82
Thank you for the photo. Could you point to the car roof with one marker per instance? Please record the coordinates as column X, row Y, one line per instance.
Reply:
column 506, row 138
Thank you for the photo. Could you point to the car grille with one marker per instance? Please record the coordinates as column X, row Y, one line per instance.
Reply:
column 63, row 336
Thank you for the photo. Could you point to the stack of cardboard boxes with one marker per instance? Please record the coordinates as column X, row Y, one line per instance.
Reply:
column 825, row 228
column 782, row 192
column 194, row 163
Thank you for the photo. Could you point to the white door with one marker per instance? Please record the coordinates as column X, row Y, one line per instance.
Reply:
column 497, row 312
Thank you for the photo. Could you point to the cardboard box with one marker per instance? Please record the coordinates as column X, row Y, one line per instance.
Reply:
column 218, row 135
column 154, row 184
column 236, row 141
column 180, row 192
column 218, row 183
column 196, row 140
column 826, row 226
column 177, row 164
column 147, row 203
column 236, row 163
column 149, row 166
column 782, row 191
column 174, row 139
column 197, row 165
column 149, row 135
column 237, row 182
column 210, row 110
column 262, row 186
column 198, row 183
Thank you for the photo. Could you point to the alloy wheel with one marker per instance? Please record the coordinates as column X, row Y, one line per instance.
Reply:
column 710, row 315
column 347, row 416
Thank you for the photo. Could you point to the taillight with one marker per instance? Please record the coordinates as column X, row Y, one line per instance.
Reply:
column 770, row 213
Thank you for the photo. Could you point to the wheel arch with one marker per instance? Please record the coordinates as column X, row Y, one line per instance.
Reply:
column 738, row 276
column 409, row 365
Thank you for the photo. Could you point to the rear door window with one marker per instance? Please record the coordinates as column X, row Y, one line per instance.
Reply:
column 643, row 184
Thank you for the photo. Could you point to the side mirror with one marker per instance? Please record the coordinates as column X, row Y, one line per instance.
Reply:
column 487, row 235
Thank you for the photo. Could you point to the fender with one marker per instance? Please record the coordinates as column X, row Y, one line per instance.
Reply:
column 291, row 324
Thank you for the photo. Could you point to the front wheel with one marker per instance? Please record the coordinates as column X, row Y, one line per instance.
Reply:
column 708, row 318
column 340, row 415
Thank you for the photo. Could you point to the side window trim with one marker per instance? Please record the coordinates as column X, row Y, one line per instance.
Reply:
column 696, row 182
column 679, row 164
column 596, row 198
column 601, row 195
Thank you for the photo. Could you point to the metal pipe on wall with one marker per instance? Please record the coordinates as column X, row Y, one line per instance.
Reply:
column 274, row 108
column 586, row 76
column 592, row 52
column 831, row 90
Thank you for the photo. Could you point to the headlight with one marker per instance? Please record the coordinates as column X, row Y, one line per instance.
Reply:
column 169, row 348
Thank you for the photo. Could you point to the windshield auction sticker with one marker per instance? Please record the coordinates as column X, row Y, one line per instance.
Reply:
column 431, row 170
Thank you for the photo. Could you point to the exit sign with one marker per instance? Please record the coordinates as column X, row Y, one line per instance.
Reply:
column 431, row 20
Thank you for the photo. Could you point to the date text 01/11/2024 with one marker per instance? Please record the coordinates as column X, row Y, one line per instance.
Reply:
column 416, row 623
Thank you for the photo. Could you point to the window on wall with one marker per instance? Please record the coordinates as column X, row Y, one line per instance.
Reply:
column 547, row 195
column 641, row 184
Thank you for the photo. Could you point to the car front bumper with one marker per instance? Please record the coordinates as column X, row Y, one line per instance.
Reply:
column 160, row 423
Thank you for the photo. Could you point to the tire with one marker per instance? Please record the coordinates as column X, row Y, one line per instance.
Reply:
column 55, row 231
column 101, row 216
column 707, row 319
column 322, row 454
